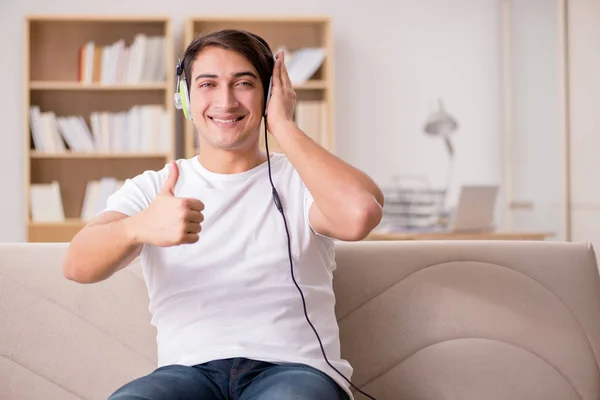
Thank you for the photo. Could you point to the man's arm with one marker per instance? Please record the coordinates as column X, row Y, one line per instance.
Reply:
column 112, row 240
column 104, row 246
column 347, row 203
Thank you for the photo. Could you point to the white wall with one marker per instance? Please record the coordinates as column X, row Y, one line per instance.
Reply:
column 584, row 32
column 537, row 158
column 393, row 60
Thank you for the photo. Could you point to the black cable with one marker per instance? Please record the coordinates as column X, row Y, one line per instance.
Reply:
column 279, row 206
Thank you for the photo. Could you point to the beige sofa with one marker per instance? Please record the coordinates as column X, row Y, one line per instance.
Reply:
column 419, row 321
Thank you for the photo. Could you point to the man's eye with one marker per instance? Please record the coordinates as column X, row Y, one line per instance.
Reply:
column 245, row 83
column 206, row 84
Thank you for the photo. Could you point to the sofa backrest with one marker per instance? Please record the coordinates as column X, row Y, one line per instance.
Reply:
column 470, row 320
column 426, row 320
column 64, row 340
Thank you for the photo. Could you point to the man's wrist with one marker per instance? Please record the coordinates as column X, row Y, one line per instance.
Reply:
column 282, row 128
column 131, row 230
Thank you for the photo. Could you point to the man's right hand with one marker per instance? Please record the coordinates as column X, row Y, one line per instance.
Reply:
column 169, row 220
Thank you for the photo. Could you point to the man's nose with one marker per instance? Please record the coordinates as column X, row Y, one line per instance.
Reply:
column 226, row 99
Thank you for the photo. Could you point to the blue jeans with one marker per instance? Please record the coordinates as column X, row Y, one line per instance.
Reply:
column 233, row 379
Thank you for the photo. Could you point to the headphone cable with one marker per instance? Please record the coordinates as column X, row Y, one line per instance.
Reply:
column 279, row 206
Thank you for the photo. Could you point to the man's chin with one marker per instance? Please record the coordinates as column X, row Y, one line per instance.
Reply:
column 230, row 142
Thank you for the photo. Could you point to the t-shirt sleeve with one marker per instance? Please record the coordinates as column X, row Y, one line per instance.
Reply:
column 136, row 194
column 308, row 202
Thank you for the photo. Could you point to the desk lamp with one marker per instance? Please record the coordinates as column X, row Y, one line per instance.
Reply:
column 441, row 124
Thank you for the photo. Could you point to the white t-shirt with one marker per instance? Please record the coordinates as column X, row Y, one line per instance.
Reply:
column 231, row 293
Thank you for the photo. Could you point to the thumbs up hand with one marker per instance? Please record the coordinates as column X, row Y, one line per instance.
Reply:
column 170, row 220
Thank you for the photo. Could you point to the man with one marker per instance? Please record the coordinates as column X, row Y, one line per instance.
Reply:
column 214, row 247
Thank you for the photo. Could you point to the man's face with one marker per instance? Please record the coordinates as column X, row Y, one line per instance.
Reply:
column 226, row 96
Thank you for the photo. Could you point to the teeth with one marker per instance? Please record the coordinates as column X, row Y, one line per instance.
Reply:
column 226, row 121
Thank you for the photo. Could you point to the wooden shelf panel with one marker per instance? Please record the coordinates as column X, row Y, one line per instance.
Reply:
column 158, row 19
column 56, row 42
column 54, row 232
column 68, row 222
column 74, row 173
column 316, row 84
column 83, row 103
column 80, row 155
column 263, row 18
column 290, row 32
column 65, row 85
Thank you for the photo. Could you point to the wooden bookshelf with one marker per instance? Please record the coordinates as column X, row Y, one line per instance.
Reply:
column 293, row 33
column 55, row 83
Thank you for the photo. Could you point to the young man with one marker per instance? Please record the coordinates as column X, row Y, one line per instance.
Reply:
column 214, row 246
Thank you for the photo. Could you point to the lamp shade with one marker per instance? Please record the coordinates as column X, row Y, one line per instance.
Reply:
column 442, row 124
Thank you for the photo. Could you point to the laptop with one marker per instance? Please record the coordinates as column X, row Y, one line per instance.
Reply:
column 474, row 211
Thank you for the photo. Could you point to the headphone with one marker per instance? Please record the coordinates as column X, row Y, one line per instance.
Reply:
column 182, row 102
column 182, row 96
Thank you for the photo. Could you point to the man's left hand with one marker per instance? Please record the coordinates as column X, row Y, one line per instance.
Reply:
column 280, row 110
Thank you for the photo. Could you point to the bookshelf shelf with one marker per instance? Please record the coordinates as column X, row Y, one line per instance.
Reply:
column 50, row 85
column 98, row 110
column 262, row 19
column 315, row 97
column 68, row 222
column 57, row 231
column 312, row 85
column 42, row 155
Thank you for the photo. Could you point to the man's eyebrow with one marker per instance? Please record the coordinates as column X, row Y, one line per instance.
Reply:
column 245, row 73
column 236, row 75
column 200, row 76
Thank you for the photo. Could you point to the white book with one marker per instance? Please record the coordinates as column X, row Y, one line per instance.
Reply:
column 52, row 140
column 146, row 129
column 95, row 123
column 133, row 129
column 104, row 63
column 115, row 57
column 149, row 61
column 46, row 202
column 88, row 208
column 105, row 142
column 37, row 128
column 137, row 58
column 122, row 66
column 165, row 138
column 67, row 133
column 88, row 70
column 58, row 143
column 304, row 63
column 161, row 67
column 108, row 185
column 84, row 133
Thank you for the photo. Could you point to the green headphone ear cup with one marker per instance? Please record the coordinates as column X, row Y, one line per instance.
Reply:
column 185, row 99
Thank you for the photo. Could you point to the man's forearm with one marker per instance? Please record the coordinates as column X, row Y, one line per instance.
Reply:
column 99, row 250
column 340, row 190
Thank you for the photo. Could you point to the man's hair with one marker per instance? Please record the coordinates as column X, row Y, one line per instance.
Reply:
column 251, row 46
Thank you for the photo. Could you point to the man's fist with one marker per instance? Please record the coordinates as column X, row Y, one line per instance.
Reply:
column 170, row 220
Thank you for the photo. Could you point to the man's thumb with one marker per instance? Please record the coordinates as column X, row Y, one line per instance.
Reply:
column 169, row 185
